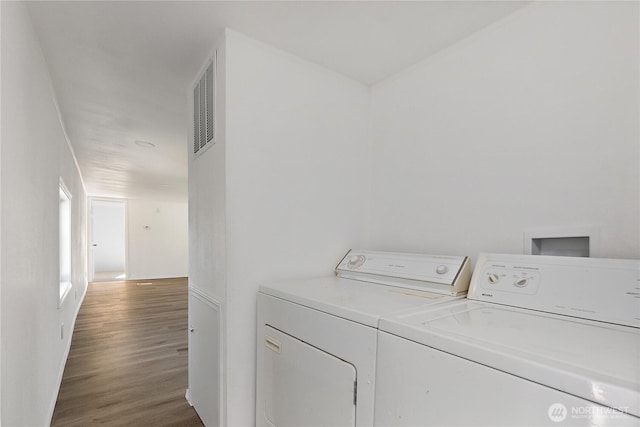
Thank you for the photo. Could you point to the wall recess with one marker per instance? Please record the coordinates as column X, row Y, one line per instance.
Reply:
column 568, row 241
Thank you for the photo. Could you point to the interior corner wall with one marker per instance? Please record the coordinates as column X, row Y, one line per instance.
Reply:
column 530, row 123
column 296, row 184
column 35, row 333
column 157, row 234
column 207, row 251
column 207, row 194
column 1, row 105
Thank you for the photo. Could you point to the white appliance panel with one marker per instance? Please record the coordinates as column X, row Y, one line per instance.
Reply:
column 444, row 274
column 592, row 360
column 308, row 387
column 347, row 340
column 420, row 386
column 598, row 289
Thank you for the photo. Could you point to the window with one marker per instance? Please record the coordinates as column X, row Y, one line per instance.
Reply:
column 65, row 241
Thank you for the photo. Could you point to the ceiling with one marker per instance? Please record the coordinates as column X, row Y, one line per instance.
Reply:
column 120, row 69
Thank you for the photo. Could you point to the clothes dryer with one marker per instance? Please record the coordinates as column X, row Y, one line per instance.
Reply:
column 539, row 341
column 317, row 338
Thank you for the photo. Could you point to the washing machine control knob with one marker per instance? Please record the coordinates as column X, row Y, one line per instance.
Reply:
column 493, row 278
column 521, row 283
column 356, row 261
column 442, row 269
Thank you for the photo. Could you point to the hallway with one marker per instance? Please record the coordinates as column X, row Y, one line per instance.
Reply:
column 128, row 359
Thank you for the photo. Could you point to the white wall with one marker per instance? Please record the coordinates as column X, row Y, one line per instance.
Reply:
column 296, row 171
column 277, row 196
column 207, row 196
column 35, row 154
column 530, row 123
column 1, row 137
column 207, row 251
column 160, row 250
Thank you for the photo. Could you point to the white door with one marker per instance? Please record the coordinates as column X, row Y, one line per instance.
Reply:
column 305, row 386
column 204, row 359
column 108, row 243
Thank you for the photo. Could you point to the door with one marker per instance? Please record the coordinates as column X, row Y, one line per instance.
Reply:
column 306, row 386
column 204, row 358
column 108, row 230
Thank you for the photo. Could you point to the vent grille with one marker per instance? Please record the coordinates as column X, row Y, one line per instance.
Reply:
column 210, row 104
column 204, row 109
column 196, row 119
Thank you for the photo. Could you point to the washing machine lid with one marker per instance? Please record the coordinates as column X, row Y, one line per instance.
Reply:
column 594, row 360
column 354, row 300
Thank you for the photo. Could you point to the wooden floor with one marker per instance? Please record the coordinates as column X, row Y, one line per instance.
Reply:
column 109, row 276
column 128, row 360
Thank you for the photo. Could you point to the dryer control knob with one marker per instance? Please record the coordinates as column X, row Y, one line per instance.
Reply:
column 521, row 283
column 442, row 269
column 356, row 261
column 493, row 278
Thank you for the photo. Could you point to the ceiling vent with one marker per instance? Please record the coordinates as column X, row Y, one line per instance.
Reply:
column 204, row 94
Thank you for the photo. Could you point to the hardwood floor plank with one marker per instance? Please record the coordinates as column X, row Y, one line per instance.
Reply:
column 128, row 359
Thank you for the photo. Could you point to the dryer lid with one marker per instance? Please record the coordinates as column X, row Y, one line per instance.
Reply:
column 351, row 299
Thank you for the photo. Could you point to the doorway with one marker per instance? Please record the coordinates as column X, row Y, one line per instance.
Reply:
column 108, row 242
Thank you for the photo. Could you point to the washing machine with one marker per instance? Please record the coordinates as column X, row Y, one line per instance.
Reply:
column 539, row 340
column 317, row 338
